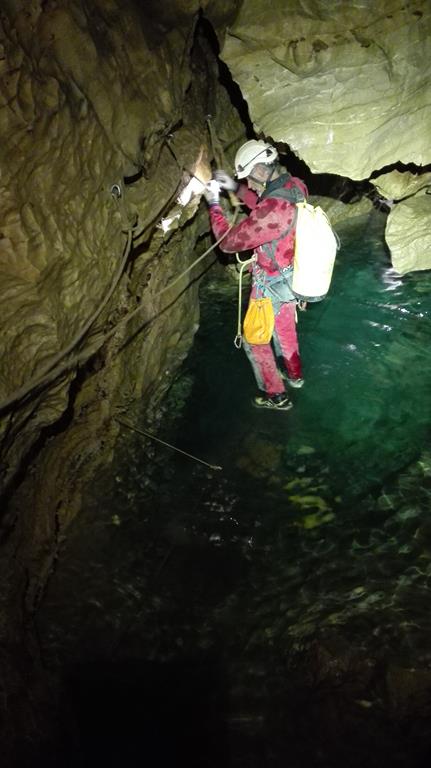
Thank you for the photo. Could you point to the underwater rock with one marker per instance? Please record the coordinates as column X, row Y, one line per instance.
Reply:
column 305, row 450
column 409, row 690
column 261, row 458
column 313, row 502
column 313, row 521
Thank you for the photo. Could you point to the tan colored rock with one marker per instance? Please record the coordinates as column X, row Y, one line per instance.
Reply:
column 396, row 185
column 408, row 234
column 79, row 111
column 339, row 212
column 346, row 86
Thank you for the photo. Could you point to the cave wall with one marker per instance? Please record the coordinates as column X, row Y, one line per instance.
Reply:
column 93, row 94
column 347, row 87
column 342, row 83
column 86, row 103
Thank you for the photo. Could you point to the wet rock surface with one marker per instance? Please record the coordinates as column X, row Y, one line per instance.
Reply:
column 408, row 233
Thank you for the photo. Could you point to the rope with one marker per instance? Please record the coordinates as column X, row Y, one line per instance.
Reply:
column 44, row 377
column 220, row 159
column 235, row 202
column 238, row 338
column 174, row 448
column 136, row 311
column 53, row 370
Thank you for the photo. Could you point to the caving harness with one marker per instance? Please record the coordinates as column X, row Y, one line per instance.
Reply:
column 308, row 279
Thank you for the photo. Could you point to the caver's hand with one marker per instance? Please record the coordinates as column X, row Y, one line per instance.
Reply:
column 226, row 182
column 212, row 192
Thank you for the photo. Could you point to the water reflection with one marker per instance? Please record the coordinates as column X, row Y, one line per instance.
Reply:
column 303, row 571
column 391, row 279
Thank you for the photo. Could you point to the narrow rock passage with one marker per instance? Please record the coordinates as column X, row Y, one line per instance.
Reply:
column 276, row 611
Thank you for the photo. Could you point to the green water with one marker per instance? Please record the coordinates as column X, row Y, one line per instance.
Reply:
column 228, row 592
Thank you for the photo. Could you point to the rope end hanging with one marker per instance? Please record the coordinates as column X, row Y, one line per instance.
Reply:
column 238, row 338
column 168, row 445
column 234, row 200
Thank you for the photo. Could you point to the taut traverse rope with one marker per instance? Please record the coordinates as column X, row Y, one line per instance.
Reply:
column 53, row 370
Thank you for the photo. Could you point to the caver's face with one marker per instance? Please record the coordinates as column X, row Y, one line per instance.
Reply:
column 258, row 178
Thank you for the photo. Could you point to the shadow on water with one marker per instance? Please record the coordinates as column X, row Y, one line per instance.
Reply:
column 276, row 612
column 136, row 713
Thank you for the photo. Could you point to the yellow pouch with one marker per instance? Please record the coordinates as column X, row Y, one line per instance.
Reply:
column 259, row 321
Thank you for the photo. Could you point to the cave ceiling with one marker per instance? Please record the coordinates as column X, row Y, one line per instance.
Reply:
column 347, row 87
column 342, row 83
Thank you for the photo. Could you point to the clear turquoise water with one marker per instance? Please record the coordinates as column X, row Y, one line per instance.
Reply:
column 365, row 409
column 315, row 534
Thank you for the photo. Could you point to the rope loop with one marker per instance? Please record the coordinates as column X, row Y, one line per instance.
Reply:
column 238, row 338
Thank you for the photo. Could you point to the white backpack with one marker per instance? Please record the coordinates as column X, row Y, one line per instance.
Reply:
column 316, row 246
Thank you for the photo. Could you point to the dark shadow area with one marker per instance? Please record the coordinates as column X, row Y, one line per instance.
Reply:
column 327, row 184
column 48, row 432
column 141, row 713
column 137, row 713
column 205, row 30
column 418, row 170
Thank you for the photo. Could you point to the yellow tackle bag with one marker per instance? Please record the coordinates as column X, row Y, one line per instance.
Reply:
column 258, row 323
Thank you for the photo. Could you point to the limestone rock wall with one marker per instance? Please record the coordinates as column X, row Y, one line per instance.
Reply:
column 408, row 234
column 93, row 94
column 345, row 85
column 97, row 97
column 342, row 84
column 90, row 93
column 408, row 226
column 77, row 115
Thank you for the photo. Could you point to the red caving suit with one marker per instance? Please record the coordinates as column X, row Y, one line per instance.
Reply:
column 269, row 218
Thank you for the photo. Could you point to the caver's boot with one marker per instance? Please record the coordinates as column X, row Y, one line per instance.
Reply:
column 296, row 383
column 279, row 402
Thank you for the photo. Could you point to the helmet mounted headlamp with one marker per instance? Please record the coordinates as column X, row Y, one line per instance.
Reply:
column 251, row 153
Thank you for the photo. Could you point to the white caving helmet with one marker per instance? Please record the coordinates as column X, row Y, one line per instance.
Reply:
column 251, row 153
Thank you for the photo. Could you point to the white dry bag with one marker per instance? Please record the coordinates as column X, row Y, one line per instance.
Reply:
column 316, row 246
